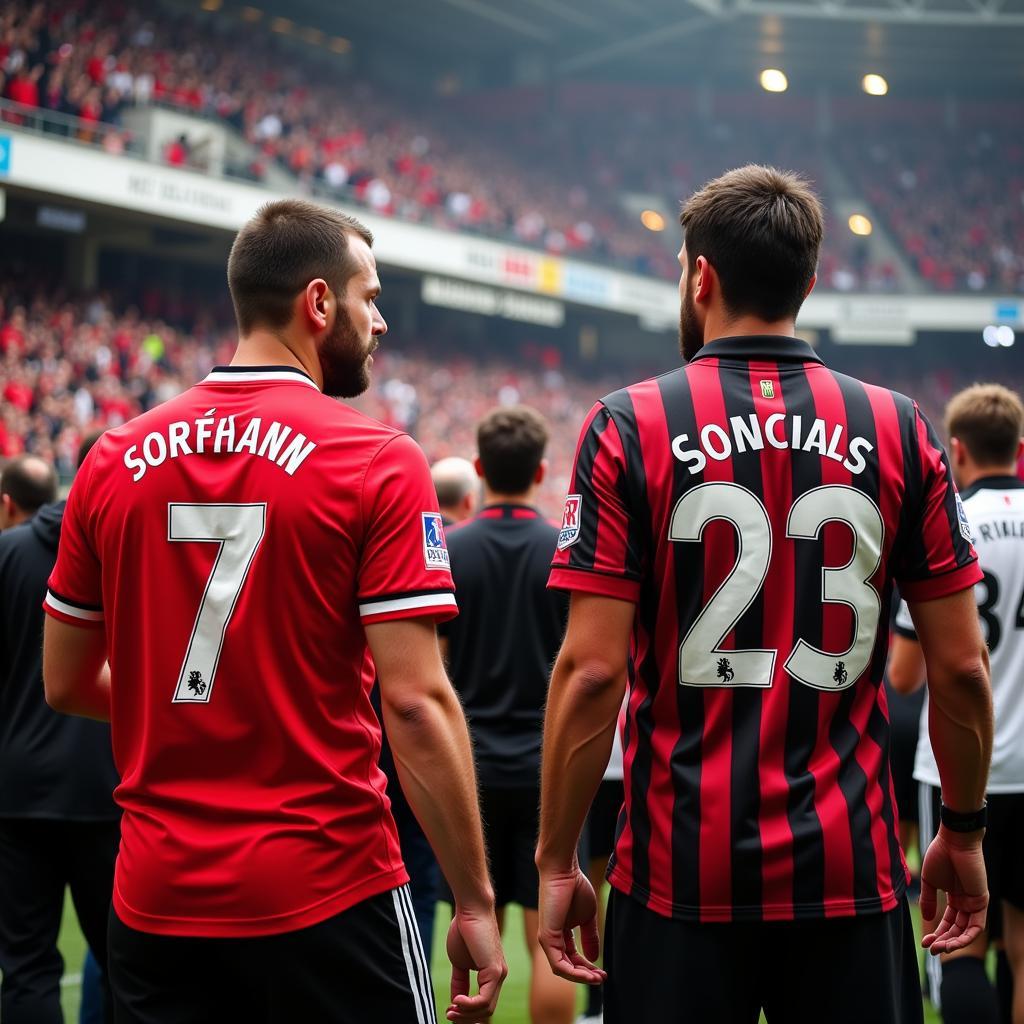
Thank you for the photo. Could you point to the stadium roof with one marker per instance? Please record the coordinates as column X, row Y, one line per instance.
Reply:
column 965, row 46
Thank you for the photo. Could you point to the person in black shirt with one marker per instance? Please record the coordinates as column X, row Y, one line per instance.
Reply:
column 499, row 652
column 59, row 825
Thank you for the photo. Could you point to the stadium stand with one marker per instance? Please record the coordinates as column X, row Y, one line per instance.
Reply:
column 560, row 182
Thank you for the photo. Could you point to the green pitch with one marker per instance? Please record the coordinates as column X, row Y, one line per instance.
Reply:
column 511, row 1010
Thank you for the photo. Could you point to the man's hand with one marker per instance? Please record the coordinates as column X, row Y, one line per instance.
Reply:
column 567, row 901
column 474, row 944
column 954, row 865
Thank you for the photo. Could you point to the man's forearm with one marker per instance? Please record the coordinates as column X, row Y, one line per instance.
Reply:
column 960, row 728
column 434, row 759
column 579, row 728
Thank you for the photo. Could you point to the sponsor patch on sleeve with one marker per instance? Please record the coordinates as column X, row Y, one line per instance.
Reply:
column 965, row 526
column 570, row 531
column 435, row 548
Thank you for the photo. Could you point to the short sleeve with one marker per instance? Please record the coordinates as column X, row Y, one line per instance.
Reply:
column 903, row 624
column 404, row 570
column 938, row 558
column 74, row 592
column 595, row 551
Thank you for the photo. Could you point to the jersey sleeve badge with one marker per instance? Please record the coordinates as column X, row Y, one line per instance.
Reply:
column 570, row 531
column 435, row 548
column 965, row 525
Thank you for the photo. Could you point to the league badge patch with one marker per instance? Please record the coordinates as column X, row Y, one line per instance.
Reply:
column 570, row 532
column 435, row 549
column 965, row 526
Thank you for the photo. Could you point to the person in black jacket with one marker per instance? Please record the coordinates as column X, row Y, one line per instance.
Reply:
column 499, row 652
column 59, row 826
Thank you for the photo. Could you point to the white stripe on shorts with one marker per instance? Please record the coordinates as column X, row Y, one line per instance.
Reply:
column 928, row 829
column 413, row 955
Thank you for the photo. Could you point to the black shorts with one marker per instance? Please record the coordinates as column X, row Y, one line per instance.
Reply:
column 603, row 818
column 511, row 817
column 843, row 971
column 364, row 964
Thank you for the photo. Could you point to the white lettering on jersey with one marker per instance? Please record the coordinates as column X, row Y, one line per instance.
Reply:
column 747, row 434
column 209, row 433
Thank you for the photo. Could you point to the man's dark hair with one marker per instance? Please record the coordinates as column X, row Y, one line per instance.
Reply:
column 29, row 481
column 86, row 446
column 761, row 229
column 283, row 247
column 988, row 419
column 511, row 441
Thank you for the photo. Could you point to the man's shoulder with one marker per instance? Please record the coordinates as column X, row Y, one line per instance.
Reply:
column 627, row 399
column 904, row 405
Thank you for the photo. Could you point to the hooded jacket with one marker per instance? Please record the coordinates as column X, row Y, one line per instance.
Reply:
column 51, row 765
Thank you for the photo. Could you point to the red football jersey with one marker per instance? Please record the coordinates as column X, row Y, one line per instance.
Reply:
column 757, row 507
column 233, row 542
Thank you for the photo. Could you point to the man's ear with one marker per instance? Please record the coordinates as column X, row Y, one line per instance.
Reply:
column 542, row 472
column 705, row 280
column 479, row 467
column 316, row 304
column 810, row 287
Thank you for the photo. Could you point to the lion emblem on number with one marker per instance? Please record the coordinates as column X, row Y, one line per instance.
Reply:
column 725, row 672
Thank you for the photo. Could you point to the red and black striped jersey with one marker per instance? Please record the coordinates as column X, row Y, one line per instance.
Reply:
column 757, row 507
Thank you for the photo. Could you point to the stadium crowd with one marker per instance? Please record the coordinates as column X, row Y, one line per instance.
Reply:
column 67, row 368
column 556, row 182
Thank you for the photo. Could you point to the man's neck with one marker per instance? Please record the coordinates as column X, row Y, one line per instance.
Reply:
column 497, row 498
column 968, row 477
column 264, row 348
column 744, row 326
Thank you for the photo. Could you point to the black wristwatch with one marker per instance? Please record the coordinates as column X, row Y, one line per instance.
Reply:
column 964, row 821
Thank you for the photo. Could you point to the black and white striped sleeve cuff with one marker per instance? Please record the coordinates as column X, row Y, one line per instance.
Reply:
column 74, row 612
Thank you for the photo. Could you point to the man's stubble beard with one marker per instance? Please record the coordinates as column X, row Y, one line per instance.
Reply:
column 691, row 333
column 344, row 360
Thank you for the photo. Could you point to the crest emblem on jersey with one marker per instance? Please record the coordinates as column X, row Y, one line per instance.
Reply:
column 435, row 548
column 965, row 525
column 570, row 531
column 767, row 389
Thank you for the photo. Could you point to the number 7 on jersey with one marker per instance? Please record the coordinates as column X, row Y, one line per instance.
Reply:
column 238, row 530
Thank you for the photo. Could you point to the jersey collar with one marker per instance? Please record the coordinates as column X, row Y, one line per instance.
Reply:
column 1000, row 482
column 258, row 375
column 757, row 347
column 508, row 510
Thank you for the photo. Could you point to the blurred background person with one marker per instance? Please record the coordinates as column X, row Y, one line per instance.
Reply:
column 27, row 482
column 458, row 488
column 59, row 826
column 499, row 651
column 985, row 423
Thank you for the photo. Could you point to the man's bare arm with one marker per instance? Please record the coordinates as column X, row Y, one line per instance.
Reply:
column 430, row 741
column 960, row 727
column 584, row 698
column 906, row 669
column 75, row 671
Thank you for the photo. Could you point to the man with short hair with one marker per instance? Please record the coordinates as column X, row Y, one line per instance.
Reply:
column 457, row 486
column 499, row 653
column 730, row 540
column 240, row 553
column 27, row 483
column 58, row 820
column 984, row 424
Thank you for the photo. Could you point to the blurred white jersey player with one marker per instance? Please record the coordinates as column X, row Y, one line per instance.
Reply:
column 985, row 423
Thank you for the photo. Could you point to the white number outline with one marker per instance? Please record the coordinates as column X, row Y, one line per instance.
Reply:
column 212, row 617
column 802, row 651
column 747, row 664
column 865, row 541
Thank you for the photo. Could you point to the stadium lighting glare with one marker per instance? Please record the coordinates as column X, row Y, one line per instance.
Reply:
column 1005, row 336
column 251, row 14
column 339, row 44
column 313, row 36
column 875, row 85
column 652, row 220
column 859, row 224
column 282, row 26
column 990, row 336
column 211, row 5
column 774, row 80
